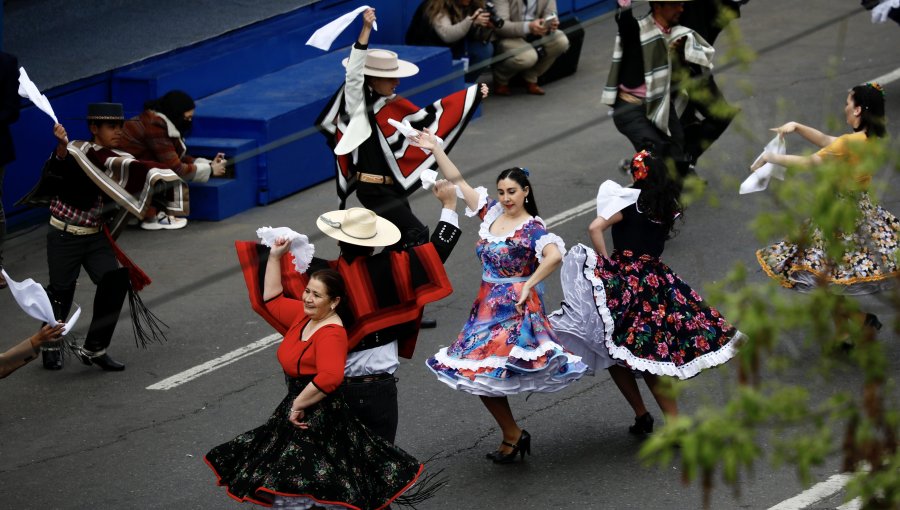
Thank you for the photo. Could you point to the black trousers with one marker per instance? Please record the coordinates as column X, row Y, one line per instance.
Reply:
column 66, row 254
column 392, row 204
column 700, row 133
column 374, row 404
column 631, row 120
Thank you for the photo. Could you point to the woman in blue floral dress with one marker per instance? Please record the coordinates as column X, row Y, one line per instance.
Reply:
column 627, row 311
column 506, row 346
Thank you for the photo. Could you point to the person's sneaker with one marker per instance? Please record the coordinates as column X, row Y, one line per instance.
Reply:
column 163, row 221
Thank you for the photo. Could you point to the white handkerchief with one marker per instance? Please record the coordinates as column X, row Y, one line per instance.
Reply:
column 324, row 37
column 29, row 90
column 301, row 248
column 33, row 300
column 881, row 11
column 612, row 198
column 759, row 180
column 429, row 177
column 408, row 131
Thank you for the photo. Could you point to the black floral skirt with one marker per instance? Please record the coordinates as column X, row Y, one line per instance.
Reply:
column 336, row 461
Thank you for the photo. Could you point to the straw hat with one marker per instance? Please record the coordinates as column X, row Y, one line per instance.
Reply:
column 358, row 226
column 385, row 64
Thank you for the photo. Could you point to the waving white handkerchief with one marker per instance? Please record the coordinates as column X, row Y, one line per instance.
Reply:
column 301, row 248
column 429, row 177
column 33, row 300
column 408, row 131
column 881, row 11
column 612, row 198
column 29, row 90
column 325, row 36
column 759, row 180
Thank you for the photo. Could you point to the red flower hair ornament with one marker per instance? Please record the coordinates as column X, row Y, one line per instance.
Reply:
column 639, row 169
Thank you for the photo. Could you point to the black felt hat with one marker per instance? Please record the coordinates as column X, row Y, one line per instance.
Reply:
column 105, row 111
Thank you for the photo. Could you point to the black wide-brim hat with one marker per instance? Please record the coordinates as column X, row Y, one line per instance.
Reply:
column 106, row 111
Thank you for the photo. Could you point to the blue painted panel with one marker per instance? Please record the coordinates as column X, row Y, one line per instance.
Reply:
column 580, row 5
column 220, row 198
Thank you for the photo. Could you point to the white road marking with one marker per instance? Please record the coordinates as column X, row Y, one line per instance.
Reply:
column 221, row 361
column 570, row 214
column 889, row 77
column 815, row 493
column 854, row 504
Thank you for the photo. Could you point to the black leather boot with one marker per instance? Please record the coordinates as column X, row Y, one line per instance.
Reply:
column 108, row 301
column 51, row 355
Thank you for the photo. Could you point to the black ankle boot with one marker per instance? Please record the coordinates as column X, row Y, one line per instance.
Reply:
column 108, row 364
column 871, row 321
column 103, row 361
column 642, row 425
column 52, row 357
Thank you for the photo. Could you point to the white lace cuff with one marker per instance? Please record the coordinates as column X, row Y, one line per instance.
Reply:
column 482, row 201
column 544, row 241
column 301, row 248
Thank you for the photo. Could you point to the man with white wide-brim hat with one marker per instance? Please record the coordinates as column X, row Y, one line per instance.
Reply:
column 373, row 158
column 385, row 294
column 649, row 52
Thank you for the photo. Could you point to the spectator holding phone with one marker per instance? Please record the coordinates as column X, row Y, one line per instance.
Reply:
column 157, row 134
column 531, row 23
column 462, row 25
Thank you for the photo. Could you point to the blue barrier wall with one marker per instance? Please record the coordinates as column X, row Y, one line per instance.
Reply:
column 207, row 70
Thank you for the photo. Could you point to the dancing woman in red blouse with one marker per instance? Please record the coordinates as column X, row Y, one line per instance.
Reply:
column 312, row 450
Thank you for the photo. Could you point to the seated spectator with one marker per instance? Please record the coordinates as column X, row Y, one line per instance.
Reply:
column 157, row 134
column 28, row 349
column 524, row 22
column 461, row 25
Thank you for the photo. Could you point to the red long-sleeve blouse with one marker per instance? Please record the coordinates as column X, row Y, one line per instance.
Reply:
column 323, row 355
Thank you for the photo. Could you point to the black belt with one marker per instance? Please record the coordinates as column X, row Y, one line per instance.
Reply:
column 368, row 378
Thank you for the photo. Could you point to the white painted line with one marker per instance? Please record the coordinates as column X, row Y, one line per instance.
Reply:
column 570, row 214
column 221, row 361
column 889, row 77
column 854, row 504
column 815, row 493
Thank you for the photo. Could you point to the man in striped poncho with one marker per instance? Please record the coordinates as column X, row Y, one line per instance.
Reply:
column 650, row 53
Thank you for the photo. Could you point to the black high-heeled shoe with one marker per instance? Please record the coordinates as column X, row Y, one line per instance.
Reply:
column 871, row 321
column 522, row 447
column 643, row 424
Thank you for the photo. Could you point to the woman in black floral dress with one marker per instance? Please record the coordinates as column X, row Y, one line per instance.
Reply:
column 312, row 451
column 629, row 311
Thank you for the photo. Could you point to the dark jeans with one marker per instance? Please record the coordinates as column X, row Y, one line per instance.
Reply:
column 66, row 254
column 393, row 205
column 374, row 404
column 631, row 120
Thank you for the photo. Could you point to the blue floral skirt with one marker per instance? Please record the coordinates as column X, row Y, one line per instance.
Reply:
column 336, row 462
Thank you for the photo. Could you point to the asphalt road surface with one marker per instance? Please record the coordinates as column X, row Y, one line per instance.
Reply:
column 81, row 438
